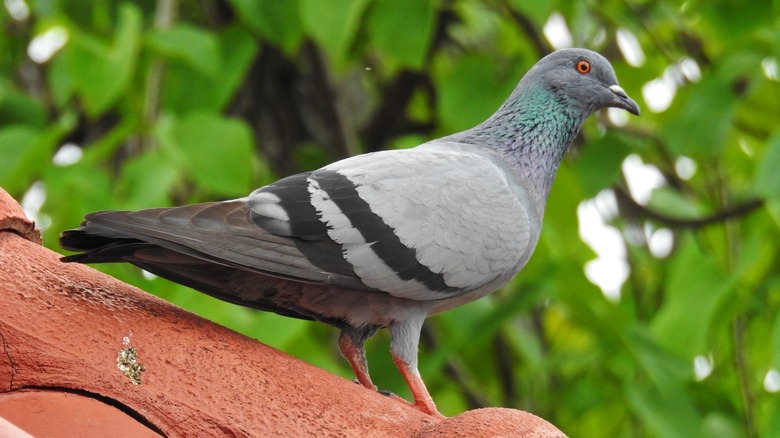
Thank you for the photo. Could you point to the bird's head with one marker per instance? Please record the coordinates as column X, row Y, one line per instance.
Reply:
column 583, row 78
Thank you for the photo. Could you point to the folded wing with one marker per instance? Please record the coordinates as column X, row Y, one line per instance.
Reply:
column 418, row 224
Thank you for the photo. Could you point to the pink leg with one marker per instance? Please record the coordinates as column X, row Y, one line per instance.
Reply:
column 354, row 352
column 422, row 399
column 405, row 359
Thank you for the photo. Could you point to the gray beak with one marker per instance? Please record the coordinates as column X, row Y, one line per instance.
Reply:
column 622, row 100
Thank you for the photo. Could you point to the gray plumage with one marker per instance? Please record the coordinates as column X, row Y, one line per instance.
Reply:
column 382, row 239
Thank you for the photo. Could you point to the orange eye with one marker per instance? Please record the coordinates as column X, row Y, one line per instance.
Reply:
column 583, row 66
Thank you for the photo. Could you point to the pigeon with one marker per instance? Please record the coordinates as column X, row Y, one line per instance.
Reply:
column 379, row 240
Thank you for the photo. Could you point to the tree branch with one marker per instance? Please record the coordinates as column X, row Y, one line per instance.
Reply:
column 529, row 29
column 504, row 367
column 164, row 15
column 628, row 204
column 743, row 374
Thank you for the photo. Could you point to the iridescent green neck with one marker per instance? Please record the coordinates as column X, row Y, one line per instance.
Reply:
column 532, row 130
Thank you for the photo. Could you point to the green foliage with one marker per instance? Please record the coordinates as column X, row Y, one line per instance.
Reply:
column 97, row 71
column 223, row 96
column 195, row 48
column 273, row 21
column 462, row 107
column 190, row 84
column 699, row 295
column 599, row 163
column 767, row 176
column 214, row 150
column 333, row 24
column 402, row 29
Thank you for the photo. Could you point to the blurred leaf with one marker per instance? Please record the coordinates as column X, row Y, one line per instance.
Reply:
column 17, row 147
column 767, row 181
column 26, row 152
column 700, row 128
column 598, row 164
column 462, row 106
column 758, row 258
column 537, row 10
column 774, row 336
column 239, row 49
column 276, row 330
column 717, row 424
column 193, row 46
column 333, row 23
column 730, row 18
column 402, row 29
column 20, row 108
column 216, row 151
column 187, row 90
column 276, row 21
column 662, row 367
column 107, row 145
column 666, row 412
column 561, row 236
column 60, row 80
column 101, row 73
column 147, row 180
column 694, row 289
column 311, row 156
column 770, row 427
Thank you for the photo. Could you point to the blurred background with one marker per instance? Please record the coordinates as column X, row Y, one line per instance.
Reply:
column 650, row 308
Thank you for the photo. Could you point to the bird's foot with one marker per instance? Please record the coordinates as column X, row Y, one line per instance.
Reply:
column 355, row 380
column 387, row 393
column 427, row 408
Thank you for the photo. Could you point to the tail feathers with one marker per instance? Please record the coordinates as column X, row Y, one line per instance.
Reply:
column 96, row 248
column 219, row 281
column 219, row 233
